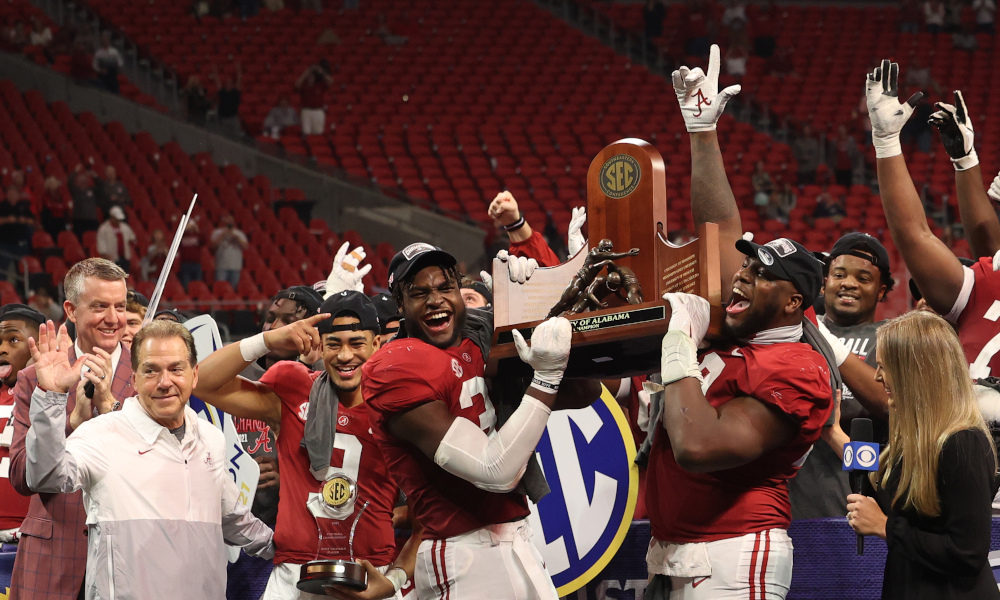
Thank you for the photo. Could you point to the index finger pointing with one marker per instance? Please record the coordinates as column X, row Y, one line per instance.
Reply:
column 713, row 63
column 313, row 320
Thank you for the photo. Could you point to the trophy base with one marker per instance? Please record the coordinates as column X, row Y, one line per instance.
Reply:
column 600, row 349
column 315, row 576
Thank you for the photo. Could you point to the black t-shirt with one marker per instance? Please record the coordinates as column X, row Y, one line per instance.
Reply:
column 15, row 233
column 229, row 103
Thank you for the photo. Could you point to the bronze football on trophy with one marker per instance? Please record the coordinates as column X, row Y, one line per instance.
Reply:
column 317, row 575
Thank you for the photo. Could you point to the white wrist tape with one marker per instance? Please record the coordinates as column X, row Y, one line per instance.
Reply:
column 397, row 576
column 966, row 162
column 678, row 358
column 886, row 147
column 493, row 463
column 253, row 347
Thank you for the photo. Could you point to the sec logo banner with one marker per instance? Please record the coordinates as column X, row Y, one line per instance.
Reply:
column 587, row 456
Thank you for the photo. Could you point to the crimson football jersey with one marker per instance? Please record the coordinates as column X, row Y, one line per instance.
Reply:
column 355, row 454
column 13, row 506
column 977, row 322
column 688, row 507
column 407, row 373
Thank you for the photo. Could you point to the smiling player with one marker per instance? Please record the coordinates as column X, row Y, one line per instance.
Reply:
column 325, row 435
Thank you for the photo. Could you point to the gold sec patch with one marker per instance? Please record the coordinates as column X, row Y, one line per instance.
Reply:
column 620, row 176
column 338, row 491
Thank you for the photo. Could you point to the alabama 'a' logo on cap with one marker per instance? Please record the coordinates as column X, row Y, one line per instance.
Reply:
column 414, row 249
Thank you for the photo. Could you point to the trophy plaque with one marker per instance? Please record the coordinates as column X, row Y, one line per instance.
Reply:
column 612, row 289
column 334, row 503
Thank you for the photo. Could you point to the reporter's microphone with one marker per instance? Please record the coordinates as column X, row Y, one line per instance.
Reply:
column 860, row 457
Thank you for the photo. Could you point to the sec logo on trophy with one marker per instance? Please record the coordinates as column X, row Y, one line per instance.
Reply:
column 587, row 456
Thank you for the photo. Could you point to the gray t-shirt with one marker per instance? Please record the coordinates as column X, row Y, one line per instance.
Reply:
column 820, row 488
column 179, row 432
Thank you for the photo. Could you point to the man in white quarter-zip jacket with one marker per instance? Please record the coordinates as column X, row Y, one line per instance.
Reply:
column 160, row 503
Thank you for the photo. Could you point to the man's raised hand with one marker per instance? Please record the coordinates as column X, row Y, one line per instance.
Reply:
column 503, row 210
column 955, row 127
column 300, row 336
column 51, row 358
column 347, row 272
column 887, row 114
column 698, row 94
column 574, row 240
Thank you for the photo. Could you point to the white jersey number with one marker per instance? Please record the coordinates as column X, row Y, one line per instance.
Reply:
column 714, row 364
column 352, row 454
column 477, row 387
column 981, row 368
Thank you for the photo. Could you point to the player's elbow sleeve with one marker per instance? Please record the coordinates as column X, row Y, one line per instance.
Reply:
column 493, row 463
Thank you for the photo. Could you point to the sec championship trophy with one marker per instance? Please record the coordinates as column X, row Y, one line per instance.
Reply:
column 611, row 291
column 336, row 501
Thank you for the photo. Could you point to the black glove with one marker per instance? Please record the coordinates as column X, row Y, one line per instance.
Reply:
column 955, row 127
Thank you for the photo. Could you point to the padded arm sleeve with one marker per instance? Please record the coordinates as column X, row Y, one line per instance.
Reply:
column 493, row 463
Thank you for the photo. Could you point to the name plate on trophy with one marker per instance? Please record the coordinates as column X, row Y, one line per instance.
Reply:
column 611, row 291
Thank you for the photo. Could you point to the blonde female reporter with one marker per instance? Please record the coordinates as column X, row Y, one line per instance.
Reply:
column 938, row 474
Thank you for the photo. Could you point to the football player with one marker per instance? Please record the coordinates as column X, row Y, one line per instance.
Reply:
column 325, row 444
column 432, row 416
column 741, row 417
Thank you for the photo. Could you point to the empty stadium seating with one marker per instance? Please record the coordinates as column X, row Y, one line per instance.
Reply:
column 15, row 11
column 497, row 95
column 49, row 140
column 832, row 47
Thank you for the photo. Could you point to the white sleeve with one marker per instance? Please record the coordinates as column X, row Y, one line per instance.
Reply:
column 49, row 466
column 963, row 296
column 493, row 463
column 240, row 527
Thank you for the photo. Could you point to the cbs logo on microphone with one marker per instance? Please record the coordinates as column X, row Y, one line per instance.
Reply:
column 861, row 456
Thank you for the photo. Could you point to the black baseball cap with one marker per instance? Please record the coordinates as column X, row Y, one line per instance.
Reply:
column 21, row 312
column 789, row 260
column 139, row 298
column 170, row 315
column 349, row 301
column 864, row 246
column 387, row 310
column 303, row 294
column 480, row 287
column 415, row 257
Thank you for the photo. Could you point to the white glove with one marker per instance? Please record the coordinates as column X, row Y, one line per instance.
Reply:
column 996, row 261
column 688, row 314
column 519, row 268
column 678, row 358
column 575, row 241
column 840, row 350
column 345, row 274
column 994, row 191
column 698, row 94
column 548, row 354
column 748, row 236
column 884, row 109
column 955, row 127
column 487, row 280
